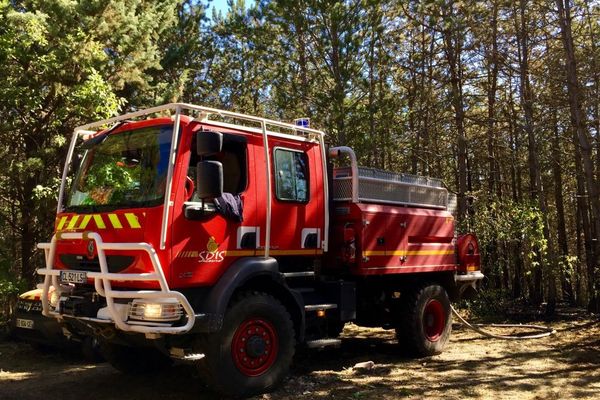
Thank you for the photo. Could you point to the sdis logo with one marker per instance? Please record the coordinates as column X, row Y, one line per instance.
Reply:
column 212, row 253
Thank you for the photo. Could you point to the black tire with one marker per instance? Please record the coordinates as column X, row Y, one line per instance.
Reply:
column 257, row 326
column 425, row 321
column 134, row 360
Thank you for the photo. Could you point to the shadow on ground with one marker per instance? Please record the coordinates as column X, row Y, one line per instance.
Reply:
column 564, row 366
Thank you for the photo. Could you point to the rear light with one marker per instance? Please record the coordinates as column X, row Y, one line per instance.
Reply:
column 467, row 249
column 155, row 310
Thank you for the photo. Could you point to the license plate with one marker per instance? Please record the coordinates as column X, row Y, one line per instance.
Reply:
column 24, row 323
column 73, row 276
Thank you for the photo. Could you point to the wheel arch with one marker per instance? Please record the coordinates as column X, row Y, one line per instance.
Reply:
column 290, row 299
column 250, row 273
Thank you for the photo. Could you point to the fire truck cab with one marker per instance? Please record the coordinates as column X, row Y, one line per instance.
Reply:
column 228, row 240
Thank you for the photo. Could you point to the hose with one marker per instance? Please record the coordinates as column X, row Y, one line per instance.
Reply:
column 476, row 327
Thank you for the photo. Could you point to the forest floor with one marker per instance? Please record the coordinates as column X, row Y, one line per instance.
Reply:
column 563, row 366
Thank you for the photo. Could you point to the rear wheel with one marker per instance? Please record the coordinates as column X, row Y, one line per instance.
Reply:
column 134, row 360
column 253, row 351
column 425, row 322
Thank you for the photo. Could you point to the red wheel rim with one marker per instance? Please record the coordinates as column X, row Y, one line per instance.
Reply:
column 434, row 320
column 254, row 347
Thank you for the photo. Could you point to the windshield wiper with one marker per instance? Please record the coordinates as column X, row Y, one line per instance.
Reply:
column 96, row 140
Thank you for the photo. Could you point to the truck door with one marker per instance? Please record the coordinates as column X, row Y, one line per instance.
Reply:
column 203, row 248
column 296, row 199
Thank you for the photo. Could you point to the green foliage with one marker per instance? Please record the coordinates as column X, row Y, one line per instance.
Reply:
column 64, row 63
column 487, row 304
column 10, row 287
column 501, row 225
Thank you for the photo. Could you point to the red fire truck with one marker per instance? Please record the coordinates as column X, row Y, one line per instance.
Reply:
column 229, row 240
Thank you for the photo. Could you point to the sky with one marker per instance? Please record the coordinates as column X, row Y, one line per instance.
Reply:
column 221, row 5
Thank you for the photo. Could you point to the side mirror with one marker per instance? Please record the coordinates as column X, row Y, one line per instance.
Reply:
column 209, row 179
column 208, row 143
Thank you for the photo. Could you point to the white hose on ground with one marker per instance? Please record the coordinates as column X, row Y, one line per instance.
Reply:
column 476, row 327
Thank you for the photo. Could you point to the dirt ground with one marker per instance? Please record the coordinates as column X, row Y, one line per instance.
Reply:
column 564, row 366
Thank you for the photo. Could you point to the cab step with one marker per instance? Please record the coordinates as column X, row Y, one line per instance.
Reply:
column 304, row 289
column 321, row 343
column 180, row 354
column 301, row 274
column 316, row 307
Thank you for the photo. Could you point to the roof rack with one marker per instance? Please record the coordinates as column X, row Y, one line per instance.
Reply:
column 205, row 114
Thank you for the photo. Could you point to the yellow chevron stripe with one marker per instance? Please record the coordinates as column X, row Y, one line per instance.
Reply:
column 73, row 222
column 61, row 223
column 402, row 253
column 99, row 221
column 133, row 220
column 114, row 220
column 85, row 221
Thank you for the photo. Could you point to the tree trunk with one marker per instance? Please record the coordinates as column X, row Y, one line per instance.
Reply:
column 452, row 49
column 581, row 141
column 561, row 230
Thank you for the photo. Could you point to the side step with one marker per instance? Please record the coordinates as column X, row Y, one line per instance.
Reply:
column 180, row 354
column 316, row 307
column 302, row 274
column 320, row 343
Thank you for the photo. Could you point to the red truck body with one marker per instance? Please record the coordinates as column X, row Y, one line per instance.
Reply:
column 319, row 245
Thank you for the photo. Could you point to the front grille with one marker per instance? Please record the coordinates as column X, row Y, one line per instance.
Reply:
column 82, row 263
column 81, row 306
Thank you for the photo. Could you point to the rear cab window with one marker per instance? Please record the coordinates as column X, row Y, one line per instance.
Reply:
column 291, row 175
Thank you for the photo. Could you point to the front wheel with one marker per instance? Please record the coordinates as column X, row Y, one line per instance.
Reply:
column 253, row 351
column 425, row 321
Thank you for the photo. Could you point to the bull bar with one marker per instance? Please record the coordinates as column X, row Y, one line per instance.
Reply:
column 102, row 284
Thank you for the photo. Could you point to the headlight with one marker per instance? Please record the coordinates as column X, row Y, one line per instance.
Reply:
column 155, row 310
column 54, row 298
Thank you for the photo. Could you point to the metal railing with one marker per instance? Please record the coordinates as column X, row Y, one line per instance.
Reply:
column 356, row 184
column 103, row 285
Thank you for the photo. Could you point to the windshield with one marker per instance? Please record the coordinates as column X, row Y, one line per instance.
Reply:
column 125, row 169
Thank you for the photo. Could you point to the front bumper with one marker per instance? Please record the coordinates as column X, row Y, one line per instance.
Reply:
column 41, row 330
column 117, row 301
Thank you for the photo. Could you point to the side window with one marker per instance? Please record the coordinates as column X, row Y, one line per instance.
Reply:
column 233, row 158
column 291, row 175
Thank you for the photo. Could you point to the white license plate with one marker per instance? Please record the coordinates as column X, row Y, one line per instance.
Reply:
column 73, row 276
column 24, row 323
